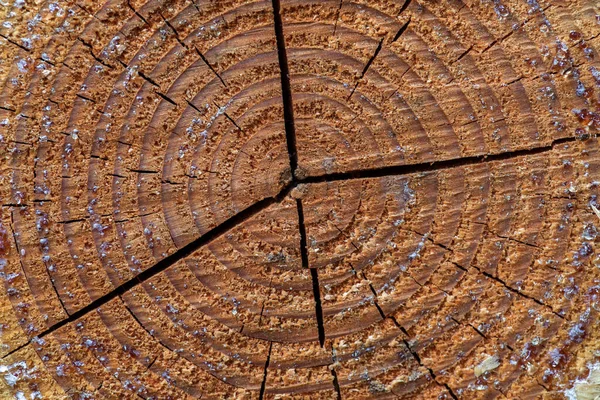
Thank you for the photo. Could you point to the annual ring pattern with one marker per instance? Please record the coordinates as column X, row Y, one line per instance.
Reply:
column 303, row 199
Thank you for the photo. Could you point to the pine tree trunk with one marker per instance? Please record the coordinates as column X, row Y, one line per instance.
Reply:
column 303, row 199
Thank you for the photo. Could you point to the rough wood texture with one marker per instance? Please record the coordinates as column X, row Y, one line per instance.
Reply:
column 303, row 199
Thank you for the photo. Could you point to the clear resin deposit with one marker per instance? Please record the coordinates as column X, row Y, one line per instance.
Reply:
column 299, row 199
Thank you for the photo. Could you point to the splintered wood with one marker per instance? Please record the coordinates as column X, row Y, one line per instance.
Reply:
column 299, row 199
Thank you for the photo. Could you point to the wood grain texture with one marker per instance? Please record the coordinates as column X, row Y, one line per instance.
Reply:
column 299, row 199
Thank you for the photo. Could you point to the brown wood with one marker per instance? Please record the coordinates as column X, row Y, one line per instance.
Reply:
column 303, row 199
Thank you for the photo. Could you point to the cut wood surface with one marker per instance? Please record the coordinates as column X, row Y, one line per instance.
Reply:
column 299, row 199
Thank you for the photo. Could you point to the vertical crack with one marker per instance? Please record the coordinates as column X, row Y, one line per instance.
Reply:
column 337, row 17
column 336, row 384
column 263, row 385
column 314, row 274
column 286, row 90
column 303, row 241
column 335, row 380
column 290, row 136
column 319, row 310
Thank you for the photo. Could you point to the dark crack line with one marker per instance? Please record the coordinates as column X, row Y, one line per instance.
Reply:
column 420, row 362
column 85, row 98
column 413, row 352
column 377, row 50
column 72, row 221
column 15, row 43
column 408, row 169
column 488, row 275
column 336, row 384
column 314, row 274
column 375, row 54
column 210, row 66
column 519, row 292
column 136, row 12
column 463, row 54
column 239, row 128
column 170, row 260
column 261, row 205
column 16, row 349
column 286, row 90
column 290, row 136
column 168, row 23
column 98, row 59
column 318, row 306
column 337, row 17
column 470, row 326
column 166, row 98
column 263, row 385
column 198, row 52
column 404, row 6
column 132, row 314
column 148, row 79
column 302, row 228
column 402, row 29
column 366, row 68
column 50, row 277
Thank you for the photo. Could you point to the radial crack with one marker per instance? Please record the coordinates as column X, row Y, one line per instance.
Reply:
column 286, row 90
column 9, row 40
column 170, row 260
column 337, row 17
column 184, row 45
column 313, row 273
column 318, row 307
column 302, row 228
column 408, row 346
column 290, row 136
column 20, row 251
column 98, row 59
column 336, row 384
column 209, row 65
column 263, row 385
column 136, row 12
column 517, row 291
column 408, row 169
column 404, row 6
column 16, row 349
column 366, row 68
column 402, row 29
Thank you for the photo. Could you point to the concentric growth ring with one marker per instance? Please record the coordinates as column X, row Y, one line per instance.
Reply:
column 335, row 199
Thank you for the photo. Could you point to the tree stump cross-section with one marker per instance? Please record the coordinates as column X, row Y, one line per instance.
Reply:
column 299, row 199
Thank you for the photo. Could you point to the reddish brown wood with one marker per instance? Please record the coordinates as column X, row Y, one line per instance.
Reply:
column 304, row 199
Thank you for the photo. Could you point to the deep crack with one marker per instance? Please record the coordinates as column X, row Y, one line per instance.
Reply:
column 286, row 90
column 318, row 307
column 263, row 385
column 409, row 169
column 292, row 149
column 168, row 261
